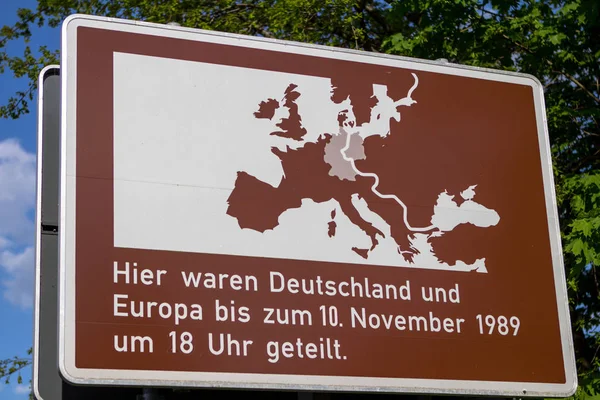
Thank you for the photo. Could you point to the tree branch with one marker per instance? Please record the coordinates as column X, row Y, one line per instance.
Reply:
column 380, row 19
column 557, row 71
column 11, row 366
column 12, row 110
column 576, row 82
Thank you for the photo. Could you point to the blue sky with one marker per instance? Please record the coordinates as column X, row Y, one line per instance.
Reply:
column 17, row 200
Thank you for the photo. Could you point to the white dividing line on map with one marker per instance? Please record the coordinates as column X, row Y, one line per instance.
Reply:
column 406, row 101
column 381, row 195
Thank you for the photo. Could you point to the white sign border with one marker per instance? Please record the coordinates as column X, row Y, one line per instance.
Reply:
column 280, row 381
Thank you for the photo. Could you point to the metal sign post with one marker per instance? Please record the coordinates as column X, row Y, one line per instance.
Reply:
column 47, row 383
column 247, row 213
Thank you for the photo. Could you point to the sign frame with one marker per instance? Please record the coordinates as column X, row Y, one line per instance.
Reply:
column 281, row 381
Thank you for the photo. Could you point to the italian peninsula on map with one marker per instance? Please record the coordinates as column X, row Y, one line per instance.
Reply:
column 321, row 168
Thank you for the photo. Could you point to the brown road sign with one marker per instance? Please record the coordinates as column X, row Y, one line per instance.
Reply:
column 241, row 212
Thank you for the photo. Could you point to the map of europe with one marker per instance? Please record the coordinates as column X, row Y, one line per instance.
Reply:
column 332, row 160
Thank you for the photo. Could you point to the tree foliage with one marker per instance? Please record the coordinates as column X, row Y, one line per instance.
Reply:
column 558, row 41
column 12, row 367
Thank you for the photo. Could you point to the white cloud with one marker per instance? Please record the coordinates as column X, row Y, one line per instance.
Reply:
column 17, row 200
column 18, row 289
column 4, row 243
column 17, row 191
column 22, row 389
